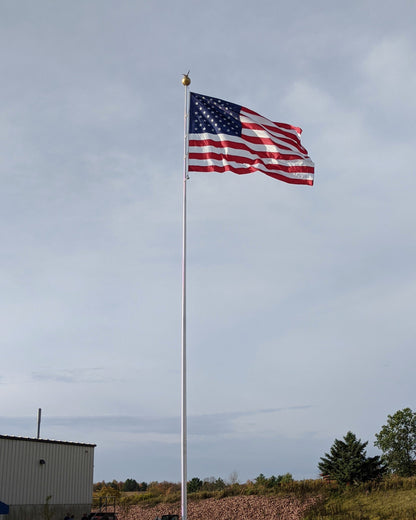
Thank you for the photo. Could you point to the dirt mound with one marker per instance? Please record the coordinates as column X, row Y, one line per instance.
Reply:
column 231, row 508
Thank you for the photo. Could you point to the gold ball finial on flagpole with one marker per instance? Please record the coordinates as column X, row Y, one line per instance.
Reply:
column 186, row 80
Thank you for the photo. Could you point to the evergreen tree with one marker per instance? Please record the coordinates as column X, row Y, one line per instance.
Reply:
column 347, row 462
column 131, row 485
column 194, row 485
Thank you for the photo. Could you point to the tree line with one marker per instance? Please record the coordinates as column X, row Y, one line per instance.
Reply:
column 211, row 484
column 119, row 486
column 346, row 463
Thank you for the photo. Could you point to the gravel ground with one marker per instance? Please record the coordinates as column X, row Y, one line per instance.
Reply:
column 231, row 508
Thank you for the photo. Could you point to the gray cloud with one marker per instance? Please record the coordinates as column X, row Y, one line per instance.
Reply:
column 207, row 424
column 75, row 375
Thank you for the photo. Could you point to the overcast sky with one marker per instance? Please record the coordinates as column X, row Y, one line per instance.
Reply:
column 301, row 300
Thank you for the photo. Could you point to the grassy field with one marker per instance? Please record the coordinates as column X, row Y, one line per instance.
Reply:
column 388, row 501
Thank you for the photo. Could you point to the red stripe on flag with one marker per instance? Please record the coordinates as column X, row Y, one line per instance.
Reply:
column 273, row 136
column 195, row 156
column 244, row 171
column 285, row 126
column 222, row 145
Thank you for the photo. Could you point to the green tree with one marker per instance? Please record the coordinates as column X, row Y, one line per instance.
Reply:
column 261, row 480
column 397, row 441
column 213, row 484
column 285, row 479
column 194, row 485
column 131, row 485
column 347, row 462
column 109, row 491
column 219, row 484
column 273, row 481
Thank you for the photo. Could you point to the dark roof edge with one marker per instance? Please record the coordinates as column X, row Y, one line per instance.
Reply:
column 15, row 438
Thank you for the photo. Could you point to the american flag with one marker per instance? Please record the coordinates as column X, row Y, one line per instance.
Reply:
column 224, row 137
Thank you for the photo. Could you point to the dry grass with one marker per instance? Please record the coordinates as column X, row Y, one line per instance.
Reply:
column 377, row 505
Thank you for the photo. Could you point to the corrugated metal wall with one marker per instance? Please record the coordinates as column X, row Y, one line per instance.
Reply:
column 66, row 475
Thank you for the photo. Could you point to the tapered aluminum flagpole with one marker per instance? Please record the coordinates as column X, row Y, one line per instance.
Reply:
column 186, row 82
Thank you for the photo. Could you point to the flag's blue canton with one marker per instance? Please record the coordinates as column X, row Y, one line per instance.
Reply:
column 213, row 116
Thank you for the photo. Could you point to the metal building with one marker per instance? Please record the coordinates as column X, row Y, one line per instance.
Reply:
column 44, row 479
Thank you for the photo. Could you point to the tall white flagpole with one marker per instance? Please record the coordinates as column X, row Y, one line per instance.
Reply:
column 184, row 505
